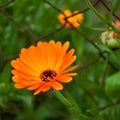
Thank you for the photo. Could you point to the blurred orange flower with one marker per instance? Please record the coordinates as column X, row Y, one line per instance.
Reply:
column 43, row 66
column 74, row 20
column 112, row 33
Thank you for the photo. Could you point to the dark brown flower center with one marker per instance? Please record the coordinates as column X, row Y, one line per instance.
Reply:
column 47, row 75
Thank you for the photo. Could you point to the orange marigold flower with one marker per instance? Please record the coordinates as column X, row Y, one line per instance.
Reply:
column 112, row 33
column 43, row 66
column 74, row 20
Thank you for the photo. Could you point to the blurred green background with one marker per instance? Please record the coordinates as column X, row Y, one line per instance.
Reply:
column 24, row 21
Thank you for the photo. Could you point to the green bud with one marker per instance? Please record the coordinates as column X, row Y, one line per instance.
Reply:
column 104, row 37
column 113, row 43
column 107, row 40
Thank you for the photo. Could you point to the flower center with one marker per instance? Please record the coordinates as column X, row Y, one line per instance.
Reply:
column 47, row 75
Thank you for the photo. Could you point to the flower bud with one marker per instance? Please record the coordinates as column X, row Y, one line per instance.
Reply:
column 113, row 43
column 111, row 38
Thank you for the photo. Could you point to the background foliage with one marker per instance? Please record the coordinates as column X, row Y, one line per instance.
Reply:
column 96, row 87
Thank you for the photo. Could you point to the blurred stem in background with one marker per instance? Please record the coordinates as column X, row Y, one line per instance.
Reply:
column 101, row 17
column 104, row 71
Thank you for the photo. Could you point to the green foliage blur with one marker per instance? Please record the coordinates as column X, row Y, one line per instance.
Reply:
column 95, row 89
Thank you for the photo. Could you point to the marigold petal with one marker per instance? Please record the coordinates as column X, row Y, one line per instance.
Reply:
column 68, row 62
column 60, row 56
column 17, row 64
column 68, row 59
column 30, row 82
column 40, row 53
column 25, row 76
column 45, row 88
column 42, row 88
column 34, row 87
column 70, row 53
column 70, row 74
column 58, row 46
column 67, row 12
column 19, row 85
column 61, row 17
column 50, row 56
column 70, row 69
column 37, row 91
column 64, row 79
column 61, row 51
column 23, row 50
column 52, row 42
column 29, row 59
column 65, row 46
column 16, row 78
column 40, row 44
column 56, row 85
column 80, row 17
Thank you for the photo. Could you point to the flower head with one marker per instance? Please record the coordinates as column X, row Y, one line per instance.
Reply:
column 43, row 66
column 73, row 21
column 111, row 38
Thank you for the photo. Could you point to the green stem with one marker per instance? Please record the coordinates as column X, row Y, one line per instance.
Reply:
column 71, row 105
column 111, row 11
column 62, row 98
column 91, row 28
column 101, row 17
column 103, row 75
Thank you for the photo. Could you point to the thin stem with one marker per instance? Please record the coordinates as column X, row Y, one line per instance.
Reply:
column 54, row 6
column 6, row 3
column 104, row 69
column 102, row 1
column 87, row 65
column 48, row 34
column 101, row 17
column 62, row 98
column 110, row 105
column 86, row 38
column 82, row 11
column 91, row 28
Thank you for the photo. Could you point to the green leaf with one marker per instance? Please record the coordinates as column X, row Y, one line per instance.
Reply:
column 62, row 98
column 72, row 101
column 112, row 86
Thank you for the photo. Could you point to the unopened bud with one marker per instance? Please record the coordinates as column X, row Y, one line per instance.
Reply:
column 113, row 43
column 109, row 41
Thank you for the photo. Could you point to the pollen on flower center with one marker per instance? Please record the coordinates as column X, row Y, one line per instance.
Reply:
column 47, row 75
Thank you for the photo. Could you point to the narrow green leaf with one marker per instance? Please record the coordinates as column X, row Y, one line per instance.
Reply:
column 62, row 98
column 72, row 101
column 71, row 105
